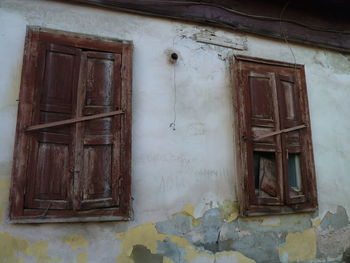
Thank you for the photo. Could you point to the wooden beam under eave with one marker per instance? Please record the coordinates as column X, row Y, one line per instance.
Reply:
column 316, row 31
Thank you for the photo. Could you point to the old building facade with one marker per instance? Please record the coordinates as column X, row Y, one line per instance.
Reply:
column 192, row 198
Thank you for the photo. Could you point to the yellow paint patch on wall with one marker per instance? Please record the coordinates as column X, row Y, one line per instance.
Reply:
column 242, row 258
column 4, row 192
column 39, row 251
column 145, row 235
column 167, row 260
column 82, row 257
column 76, row 241
column 300, row 246
column 316, row 222
column 11, row 247
column 188, row 210
column 229, row 211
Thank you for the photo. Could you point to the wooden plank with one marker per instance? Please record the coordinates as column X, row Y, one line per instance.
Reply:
column 48, row 179
column 99, row 162
column 300, row 22
column 74, row 120
column 280, row 131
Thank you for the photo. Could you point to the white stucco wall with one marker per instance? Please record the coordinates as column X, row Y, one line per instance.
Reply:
column 195, row 163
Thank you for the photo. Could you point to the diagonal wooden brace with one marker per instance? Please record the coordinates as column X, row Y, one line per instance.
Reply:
column 280, row 131
column 74, row 120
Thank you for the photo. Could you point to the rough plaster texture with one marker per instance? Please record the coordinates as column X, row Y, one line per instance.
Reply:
column 189, row 169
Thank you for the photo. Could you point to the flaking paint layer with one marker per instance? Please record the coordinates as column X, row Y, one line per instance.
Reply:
column 147, row 235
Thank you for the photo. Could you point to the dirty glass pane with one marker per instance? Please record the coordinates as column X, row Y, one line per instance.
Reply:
column 265, row 174
column 294, row 174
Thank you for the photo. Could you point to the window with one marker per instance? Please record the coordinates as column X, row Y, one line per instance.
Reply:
column 276, row 171
column 72, row 156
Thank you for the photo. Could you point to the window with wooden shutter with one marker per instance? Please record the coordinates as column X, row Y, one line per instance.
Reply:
column 72, row 157
column 276, row 171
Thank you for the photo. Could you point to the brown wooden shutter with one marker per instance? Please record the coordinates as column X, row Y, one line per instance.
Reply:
column 49, row 178
column 264, row 155
column 98, row 159
column 72, row 157
column 276, row 171
column 294, row 158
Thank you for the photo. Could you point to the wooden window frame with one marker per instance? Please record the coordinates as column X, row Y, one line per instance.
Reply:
column 17, row 211
column 249, row 204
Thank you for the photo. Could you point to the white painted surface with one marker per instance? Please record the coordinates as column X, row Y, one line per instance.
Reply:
column 195, row 163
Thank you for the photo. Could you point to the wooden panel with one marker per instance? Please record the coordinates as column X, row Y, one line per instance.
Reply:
column 100, row 138
column 100, row 73
column 264, row 181
column 97, row 172
column 262, row 106
column 290, row 116
column 52, row 172
column 51, row 152
column 58, row 78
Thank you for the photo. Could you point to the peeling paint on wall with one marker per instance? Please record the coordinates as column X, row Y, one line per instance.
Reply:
column 176, row 248
column 11, row 247
column 299, row 247
column 76, row 241
column 17, row 250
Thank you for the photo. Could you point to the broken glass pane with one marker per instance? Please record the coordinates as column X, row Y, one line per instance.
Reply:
column 265, row 174
column 294, row 174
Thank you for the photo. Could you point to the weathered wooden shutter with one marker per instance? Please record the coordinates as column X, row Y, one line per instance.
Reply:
column 264, row 155
column 99, row 141
column 294, row 158
column 276, row 171
column 72, row 158
column 49, row 178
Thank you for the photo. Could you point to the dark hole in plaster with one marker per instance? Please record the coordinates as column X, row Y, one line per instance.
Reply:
column 174, row 56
